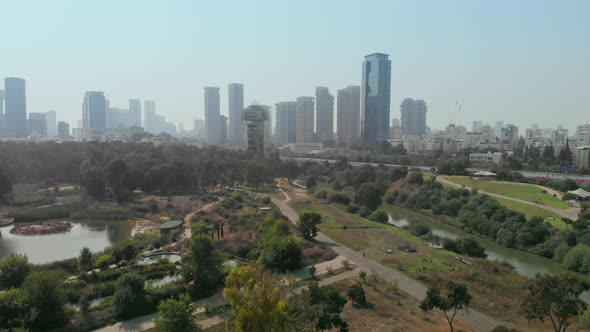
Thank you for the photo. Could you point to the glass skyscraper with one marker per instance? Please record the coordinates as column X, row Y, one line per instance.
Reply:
column 375, row 96
column 15, row 106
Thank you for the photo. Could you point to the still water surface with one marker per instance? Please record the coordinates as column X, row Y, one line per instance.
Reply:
column 525, row 263
column 96, row 235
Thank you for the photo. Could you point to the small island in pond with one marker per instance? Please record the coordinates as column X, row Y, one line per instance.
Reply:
column 42, row 228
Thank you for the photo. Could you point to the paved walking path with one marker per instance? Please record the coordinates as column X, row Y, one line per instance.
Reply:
column 475, row 319
column 571, row 212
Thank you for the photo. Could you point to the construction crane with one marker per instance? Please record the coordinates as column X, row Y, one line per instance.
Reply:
column 457, row 109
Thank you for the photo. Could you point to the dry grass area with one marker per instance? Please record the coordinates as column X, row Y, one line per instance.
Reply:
column 388, row 311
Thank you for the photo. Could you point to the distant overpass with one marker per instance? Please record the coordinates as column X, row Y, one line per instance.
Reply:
column 527, row 174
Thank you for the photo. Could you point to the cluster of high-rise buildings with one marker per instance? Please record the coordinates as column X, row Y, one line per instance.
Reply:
column 15, row 122
column 356, row 115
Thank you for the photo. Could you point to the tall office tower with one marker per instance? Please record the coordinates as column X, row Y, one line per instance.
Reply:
column 63, row 129
column 94, row 110
column 15, row 106
column 199, row 129
column 475, row 125
column 286, row 119
column 348, row 114
column 2, row 116
column 212, row 114
column 51, row 117
column 324, row 114
column 498, row 126
column 254, row 117
column 413, row 117
column 235, row 92
column 1, row 105
column 223, row 129
column 304, row 120
column 375, row 98
column 134, row 112
column 395, row 132
column 149, row 116
column 37, row 124
column 267, row 124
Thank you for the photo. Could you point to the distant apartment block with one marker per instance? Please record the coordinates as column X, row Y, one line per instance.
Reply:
column 37, row 125
column 255, row 117
column 286, row 118
column 413, row 117
column 304, row 118
column 324, row 114
column 63, row 129
column 212, row 113
column 236, row 108
column 348, row 115
column 135, row 112
column 51, row 118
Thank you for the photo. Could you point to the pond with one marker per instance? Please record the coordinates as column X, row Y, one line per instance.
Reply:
column 525, row 263
column 41, row 249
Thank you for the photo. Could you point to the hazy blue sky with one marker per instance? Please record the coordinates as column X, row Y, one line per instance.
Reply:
column 517, row 61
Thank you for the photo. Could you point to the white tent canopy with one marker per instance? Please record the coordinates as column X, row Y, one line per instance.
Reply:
column 484, row 173
column 580, row 193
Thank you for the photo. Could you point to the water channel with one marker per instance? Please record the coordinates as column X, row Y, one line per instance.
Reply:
column 96, row 235
column 525, row 263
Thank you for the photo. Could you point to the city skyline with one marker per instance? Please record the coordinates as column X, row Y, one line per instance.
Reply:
column 444, row 59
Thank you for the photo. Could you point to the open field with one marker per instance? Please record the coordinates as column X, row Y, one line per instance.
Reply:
column 524, row 192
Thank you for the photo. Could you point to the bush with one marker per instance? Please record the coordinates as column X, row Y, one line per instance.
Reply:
column 364, row 212
column 380, row 216
column 322, row 194
column 339, row 198
column 103, row 261
column 419, row 229
column 352, row 208
column 578, row 259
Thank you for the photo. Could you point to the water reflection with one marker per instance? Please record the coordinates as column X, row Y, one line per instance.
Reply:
column 96, row 235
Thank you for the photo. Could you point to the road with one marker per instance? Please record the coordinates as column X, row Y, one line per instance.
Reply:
column 571, row 212
column 527, row 174
column 475, row 319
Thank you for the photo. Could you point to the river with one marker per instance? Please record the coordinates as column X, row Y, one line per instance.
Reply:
column 41, row 249
column 525, row 263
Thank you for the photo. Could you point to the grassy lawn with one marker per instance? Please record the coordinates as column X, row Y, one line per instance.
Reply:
column 524, row 192
column 533, row 211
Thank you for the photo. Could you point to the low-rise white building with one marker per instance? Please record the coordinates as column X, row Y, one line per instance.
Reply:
column 582, row 157
column 490, row 157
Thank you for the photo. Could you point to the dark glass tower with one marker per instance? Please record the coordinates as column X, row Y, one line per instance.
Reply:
column 375, row 94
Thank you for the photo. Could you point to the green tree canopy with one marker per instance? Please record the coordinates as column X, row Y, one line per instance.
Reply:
column 258, row 299
column 130, row 295
column 307, row 224
column 556, row 297
column 46, row 294
column 176, row 315
column 202, row 264
column 13, row 270
column 450, row 301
